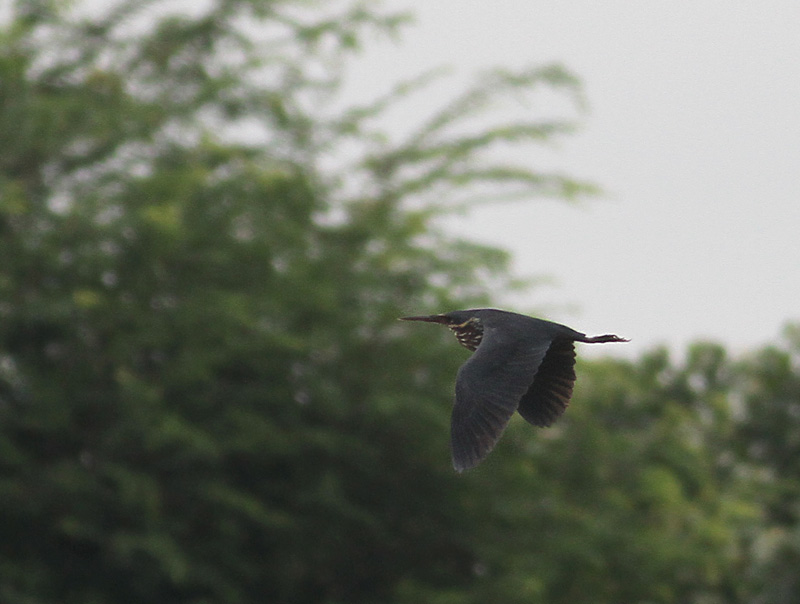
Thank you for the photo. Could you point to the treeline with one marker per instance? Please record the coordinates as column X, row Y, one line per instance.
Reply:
column 205, row 395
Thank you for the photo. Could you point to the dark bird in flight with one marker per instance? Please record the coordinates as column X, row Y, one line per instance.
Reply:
column 520, row 364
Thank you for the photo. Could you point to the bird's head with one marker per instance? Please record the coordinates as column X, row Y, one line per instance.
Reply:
column 465, row 324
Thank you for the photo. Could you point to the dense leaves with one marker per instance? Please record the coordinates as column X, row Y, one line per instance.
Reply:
column 205, row 396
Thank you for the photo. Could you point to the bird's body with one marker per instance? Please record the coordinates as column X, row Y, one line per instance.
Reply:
column 520, row 363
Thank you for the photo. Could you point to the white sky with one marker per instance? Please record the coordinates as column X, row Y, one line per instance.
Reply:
column 693, row 131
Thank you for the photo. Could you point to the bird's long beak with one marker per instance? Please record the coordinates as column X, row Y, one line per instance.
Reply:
column 426, row 318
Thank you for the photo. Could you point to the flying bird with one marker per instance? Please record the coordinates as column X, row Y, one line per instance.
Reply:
column 520, row 364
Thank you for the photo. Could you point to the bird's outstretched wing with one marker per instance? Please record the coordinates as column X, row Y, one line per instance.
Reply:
column 549, row 394
column 489, row 387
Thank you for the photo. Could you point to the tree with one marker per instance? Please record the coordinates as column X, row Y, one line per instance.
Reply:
column 767, row 441
column 203, row 394
column 627, row 499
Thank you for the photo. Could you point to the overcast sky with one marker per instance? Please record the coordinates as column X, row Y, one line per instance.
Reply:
column 693, row 131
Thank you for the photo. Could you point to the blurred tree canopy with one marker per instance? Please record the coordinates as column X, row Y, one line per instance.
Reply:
column 205, row 397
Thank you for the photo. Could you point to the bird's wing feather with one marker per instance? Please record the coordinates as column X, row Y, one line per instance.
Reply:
column 488, row 390
column 549, row 394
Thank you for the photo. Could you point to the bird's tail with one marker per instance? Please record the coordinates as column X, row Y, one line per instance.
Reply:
column 604, row 339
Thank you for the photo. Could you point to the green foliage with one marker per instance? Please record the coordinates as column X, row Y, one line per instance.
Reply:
column 768, row 439
column 205, row 396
